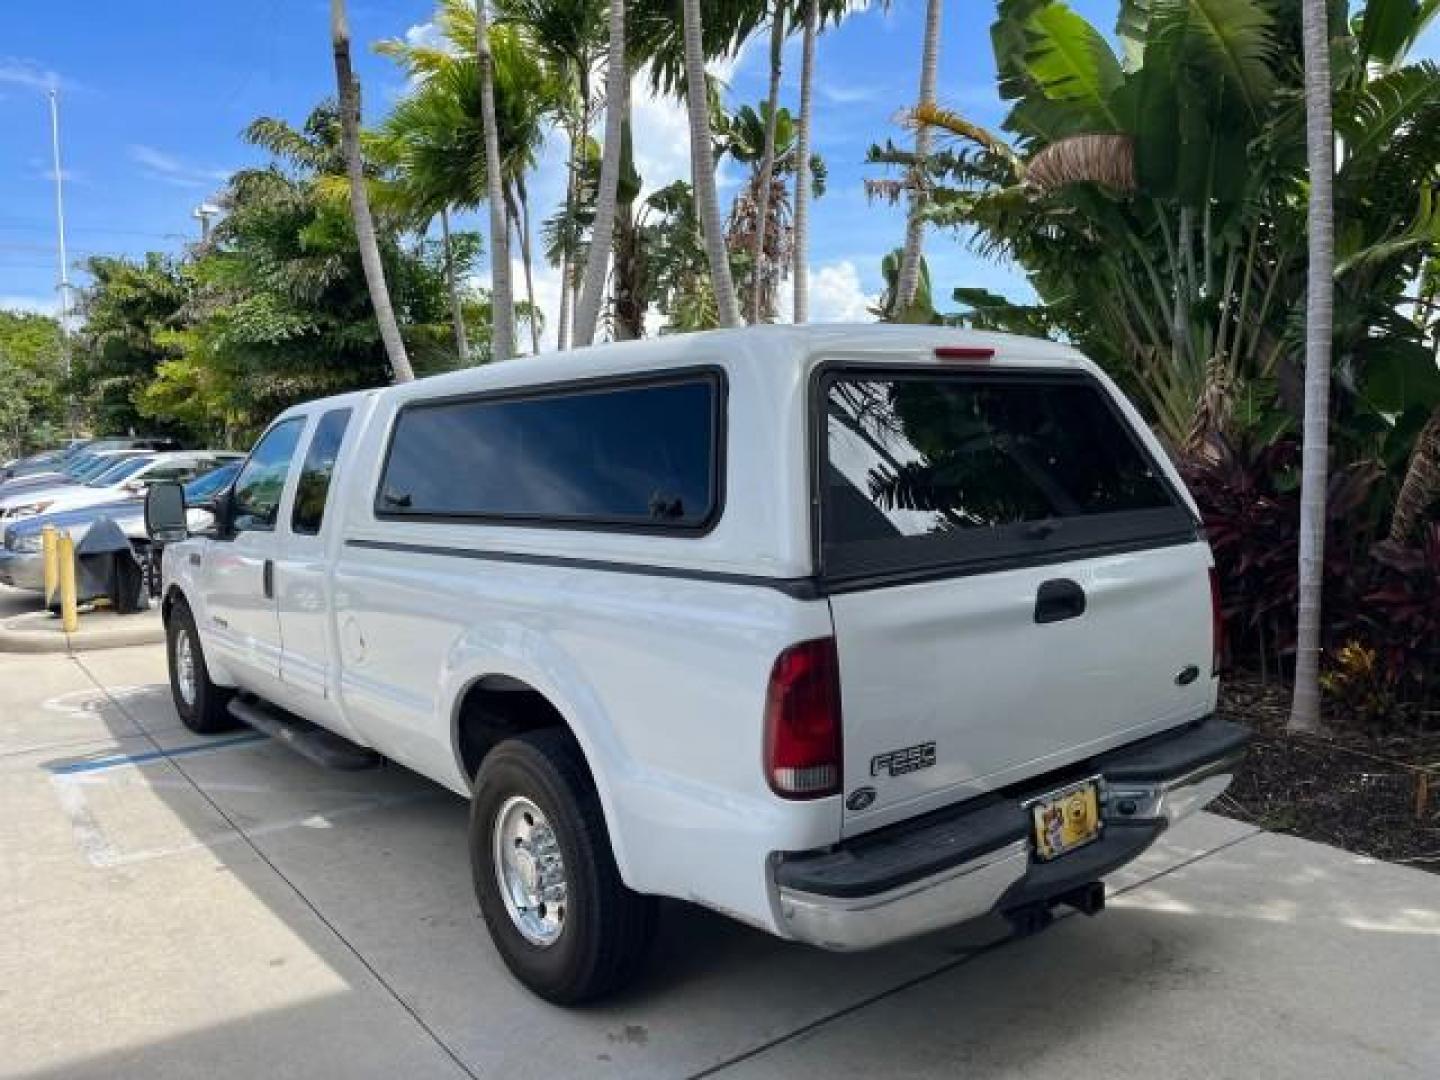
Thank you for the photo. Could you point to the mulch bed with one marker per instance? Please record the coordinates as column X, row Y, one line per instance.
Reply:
column 1373, row 792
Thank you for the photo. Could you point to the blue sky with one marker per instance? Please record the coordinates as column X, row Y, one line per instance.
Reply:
column 154, row 94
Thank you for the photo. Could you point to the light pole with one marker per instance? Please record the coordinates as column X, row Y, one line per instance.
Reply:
column 203, row 213
column 64, row 285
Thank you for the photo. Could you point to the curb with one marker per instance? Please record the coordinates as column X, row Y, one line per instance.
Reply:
column 39, row 632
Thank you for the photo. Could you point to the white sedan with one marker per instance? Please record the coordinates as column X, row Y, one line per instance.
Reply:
column 131, row 476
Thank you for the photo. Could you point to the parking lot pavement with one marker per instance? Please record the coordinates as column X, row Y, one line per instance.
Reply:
column 179, row 906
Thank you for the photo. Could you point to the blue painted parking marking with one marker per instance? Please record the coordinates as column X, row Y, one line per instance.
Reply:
column 117, row 761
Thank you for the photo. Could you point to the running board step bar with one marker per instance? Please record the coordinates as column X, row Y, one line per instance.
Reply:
column 323, row 747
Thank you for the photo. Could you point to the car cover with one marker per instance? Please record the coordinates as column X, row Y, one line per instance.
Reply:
column 106, row 566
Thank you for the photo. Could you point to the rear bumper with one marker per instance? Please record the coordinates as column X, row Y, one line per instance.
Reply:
column 22, row 570
column 968, row 861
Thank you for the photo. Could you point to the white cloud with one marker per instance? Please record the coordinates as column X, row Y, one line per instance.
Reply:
column 169, row 169
column 18, row 71
column 426, row 35
column 836, row 295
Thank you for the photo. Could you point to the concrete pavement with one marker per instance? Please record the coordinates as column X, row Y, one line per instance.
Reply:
column 179, row 906
column 26, row 627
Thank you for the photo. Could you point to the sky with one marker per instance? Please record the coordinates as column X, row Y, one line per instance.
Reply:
column 154, row 94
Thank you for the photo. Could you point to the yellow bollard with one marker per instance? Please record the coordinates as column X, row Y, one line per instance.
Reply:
column 69, row 617
column 50, row 556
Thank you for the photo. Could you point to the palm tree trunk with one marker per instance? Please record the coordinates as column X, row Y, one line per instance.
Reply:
column 767, row 169
column 597, row 260
column 1421, row 486
column 457, row 313
column 909, row 279
column 587, row 117
column 802, row 164
column 519, row 203
column 702, row 168
column 1319, row 318
column 349, row 94
column 562, row 330
column 502, row 297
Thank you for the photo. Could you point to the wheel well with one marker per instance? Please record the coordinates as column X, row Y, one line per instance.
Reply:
column 496, row 708
column 173, row 595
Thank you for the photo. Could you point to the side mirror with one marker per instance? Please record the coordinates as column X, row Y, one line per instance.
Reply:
column 165, row 512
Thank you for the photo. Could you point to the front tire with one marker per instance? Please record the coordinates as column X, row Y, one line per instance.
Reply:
column 203, row 706
column 563, row 921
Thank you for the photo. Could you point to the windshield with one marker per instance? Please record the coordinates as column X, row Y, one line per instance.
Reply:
column 211, row 484
column 927, row 469
column 89, row 466
column 118, row 472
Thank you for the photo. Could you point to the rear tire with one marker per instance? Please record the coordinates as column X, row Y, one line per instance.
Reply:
column 203, row 706
column 571, row 932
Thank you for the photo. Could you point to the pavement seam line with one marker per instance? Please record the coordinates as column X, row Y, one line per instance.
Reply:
column 305, row 900
column 945, row 968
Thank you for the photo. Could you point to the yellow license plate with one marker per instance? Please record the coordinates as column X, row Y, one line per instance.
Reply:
column 1065, row 820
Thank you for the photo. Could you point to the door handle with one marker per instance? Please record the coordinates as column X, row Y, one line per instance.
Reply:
column 1059, row 599
column 267, row 578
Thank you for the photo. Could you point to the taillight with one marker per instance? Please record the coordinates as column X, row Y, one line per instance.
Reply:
column 1217, row 623
column 802, row 721
column 971, row 353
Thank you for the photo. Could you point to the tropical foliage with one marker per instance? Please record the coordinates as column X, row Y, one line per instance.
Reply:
column 32, row 399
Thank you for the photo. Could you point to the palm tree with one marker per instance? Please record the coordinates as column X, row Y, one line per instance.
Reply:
column 760, row 219
column 702, row 166
column 452, row 286
column 767, row 160
column 567, row 35
column 801, row 252
column 915, row 224
column 617, row 88
column 502, row 294
column 349, row 94
column 1319, row 319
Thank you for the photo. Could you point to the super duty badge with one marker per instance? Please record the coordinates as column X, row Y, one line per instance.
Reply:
column 908, row 759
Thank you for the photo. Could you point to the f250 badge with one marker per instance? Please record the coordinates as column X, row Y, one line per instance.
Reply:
column 908, row 759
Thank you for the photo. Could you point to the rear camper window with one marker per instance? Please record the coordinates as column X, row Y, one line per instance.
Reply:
column 633, row 456
column 929, row 470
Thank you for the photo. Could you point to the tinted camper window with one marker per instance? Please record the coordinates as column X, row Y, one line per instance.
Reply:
column 620, row 455
column 932, row 469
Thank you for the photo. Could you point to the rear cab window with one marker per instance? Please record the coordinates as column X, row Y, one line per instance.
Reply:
column 925, row 471
column 641, row 455
column 313, row 487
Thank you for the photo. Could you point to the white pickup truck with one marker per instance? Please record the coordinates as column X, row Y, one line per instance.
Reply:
column 850, row 633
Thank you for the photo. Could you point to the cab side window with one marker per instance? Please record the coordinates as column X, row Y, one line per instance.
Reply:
column 315, row 475
column 262, row 481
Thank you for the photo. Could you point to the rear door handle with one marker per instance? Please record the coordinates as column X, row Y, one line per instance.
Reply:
column 267, row 578
column 1059, row 599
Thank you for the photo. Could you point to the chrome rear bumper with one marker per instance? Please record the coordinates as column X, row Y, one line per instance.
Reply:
column 826, row 899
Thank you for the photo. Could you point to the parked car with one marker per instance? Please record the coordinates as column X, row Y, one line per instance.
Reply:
column 129, row 476
column 55, row 460
column 849, row 633
column 21, row 565
column 83, row 467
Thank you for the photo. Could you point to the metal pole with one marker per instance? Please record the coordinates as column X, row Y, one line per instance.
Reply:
column 69, row 615
column 64, row 286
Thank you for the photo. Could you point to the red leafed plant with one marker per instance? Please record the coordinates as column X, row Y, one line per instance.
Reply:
column 1401, row 611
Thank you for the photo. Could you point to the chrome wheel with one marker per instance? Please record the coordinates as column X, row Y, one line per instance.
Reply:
column 185, row 666
column 530, row 871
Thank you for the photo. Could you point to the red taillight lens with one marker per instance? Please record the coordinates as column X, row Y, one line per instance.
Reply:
column 971, row 353
column 1217, row 624
column 802, row 722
